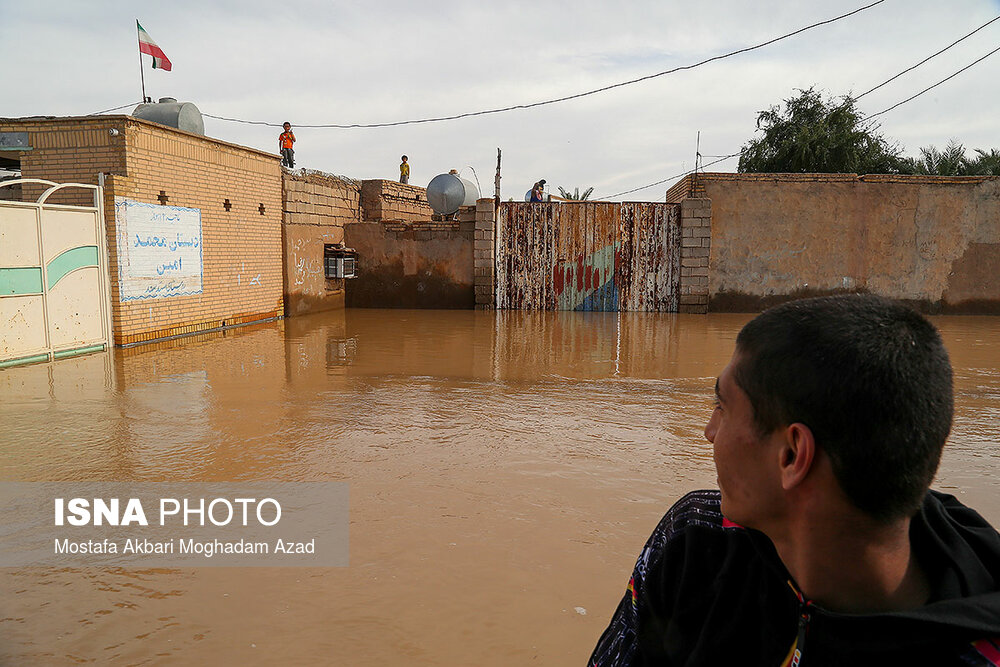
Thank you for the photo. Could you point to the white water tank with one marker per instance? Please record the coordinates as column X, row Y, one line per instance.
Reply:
column 447, row 192
column 168, row 111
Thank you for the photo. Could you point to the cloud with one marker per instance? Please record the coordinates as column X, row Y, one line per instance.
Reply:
column 348, row 62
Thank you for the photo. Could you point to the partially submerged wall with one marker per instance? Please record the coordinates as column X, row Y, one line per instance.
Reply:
column 316, row 207
column 421, row 264
column 934, row 241
column 235, row 190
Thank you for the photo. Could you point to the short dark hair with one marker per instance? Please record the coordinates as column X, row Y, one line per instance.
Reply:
column 286, row 123
column 404, row 158
column 871, row 379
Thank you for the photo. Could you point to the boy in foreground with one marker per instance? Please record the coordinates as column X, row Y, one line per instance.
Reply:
column 823, row 545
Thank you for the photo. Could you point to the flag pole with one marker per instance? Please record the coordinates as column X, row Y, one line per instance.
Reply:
column 142, row 77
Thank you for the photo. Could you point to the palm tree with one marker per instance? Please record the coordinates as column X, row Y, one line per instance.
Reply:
column 948, row 162
column 985, row 164
column 575, row 195
column 952, row 162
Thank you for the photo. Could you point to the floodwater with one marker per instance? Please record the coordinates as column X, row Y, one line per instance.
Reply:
column 504, row 470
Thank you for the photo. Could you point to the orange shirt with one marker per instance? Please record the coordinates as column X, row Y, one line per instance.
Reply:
column 286, row 139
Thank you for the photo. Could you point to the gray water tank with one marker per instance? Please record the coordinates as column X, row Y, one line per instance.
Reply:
column 447, row 192
column 168, row 111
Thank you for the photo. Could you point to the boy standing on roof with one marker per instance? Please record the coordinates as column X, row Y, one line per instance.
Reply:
column 404, row 171
column 285, row 142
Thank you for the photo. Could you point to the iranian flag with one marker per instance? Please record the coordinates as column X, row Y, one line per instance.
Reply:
column 147, row 45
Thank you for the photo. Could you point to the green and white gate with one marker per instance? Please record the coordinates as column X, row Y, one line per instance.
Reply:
column 55, row 295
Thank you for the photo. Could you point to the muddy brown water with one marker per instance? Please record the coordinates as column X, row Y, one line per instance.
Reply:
column 504, row 470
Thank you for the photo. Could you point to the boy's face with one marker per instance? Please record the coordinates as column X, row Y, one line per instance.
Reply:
column 744, row 460
column 287, row 127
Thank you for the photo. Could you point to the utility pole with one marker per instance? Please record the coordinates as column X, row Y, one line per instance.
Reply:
column 496, row 183
column 697, row 163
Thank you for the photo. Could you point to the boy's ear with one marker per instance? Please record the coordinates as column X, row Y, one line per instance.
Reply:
column 797, row 454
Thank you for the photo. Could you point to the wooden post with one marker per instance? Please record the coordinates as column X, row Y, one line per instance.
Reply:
column 496, row 183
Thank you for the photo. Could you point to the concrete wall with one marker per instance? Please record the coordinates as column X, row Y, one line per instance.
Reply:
column 934, row 241
column 421, row 264
column 696, row 245
column 153, row 164
column 484, row 265
column 316, row 208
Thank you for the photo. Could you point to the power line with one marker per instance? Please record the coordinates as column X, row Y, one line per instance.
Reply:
column 559, row 99
column 726, row 157
column 926, row 59
column 672, row 178
column 913, row 97
column 124, row 106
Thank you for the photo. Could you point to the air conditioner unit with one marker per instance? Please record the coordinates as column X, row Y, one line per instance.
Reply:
column 340, row 262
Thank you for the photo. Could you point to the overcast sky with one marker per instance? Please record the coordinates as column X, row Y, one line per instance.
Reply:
column 371, row 62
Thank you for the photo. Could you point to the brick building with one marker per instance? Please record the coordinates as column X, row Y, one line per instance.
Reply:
column 230, row 197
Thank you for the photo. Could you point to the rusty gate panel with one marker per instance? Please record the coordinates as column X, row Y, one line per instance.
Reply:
column 594, row 256
column 649, row 275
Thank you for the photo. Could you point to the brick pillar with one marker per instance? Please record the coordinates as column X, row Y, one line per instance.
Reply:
column 696, row 245
column 483, row 264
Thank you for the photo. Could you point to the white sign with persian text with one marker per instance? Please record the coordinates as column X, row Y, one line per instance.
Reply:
column 159, row 250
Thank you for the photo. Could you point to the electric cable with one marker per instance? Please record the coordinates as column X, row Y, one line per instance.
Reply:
column 124, row 106
column 867, row 118
column 871, row 90
column 913, row 97
column 559, row 99
column 680, row 175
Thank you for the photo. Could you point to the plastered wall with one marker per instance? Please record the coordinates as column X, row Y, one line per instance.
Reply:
column 934, row 241
column 423, row 264
column 316, row 207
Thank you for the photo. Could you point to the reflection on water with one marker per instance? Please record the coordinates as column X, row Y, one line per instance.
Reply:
column 505, row 468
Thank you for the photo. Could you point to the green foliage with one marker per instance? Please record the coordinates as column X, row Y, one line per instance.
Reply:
column 952, row 161
column 949, row 162
column 817, row 135
column 575, row 195
column 985, row 164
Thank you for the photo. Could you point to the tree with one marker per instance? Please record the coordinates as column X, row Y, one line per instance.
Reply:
column 575, row 195
column 952, row 162
column 985, row 164
column 949, row 162
column 817, row 135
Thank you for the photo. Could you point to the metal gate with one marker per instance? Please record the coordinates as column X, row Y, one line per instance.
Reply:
column 55, row 295
column 588, row 256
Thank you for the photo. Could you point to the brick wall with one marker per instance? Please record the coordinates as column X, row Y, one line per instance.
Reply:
column 10, row 192
column 484, row 267
column 696, row 245
column 389, row 200
column 316, row 198
column 695, row 185
column 146, row 162
column 316, row 207
column 241, row 246
column 69, row 150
